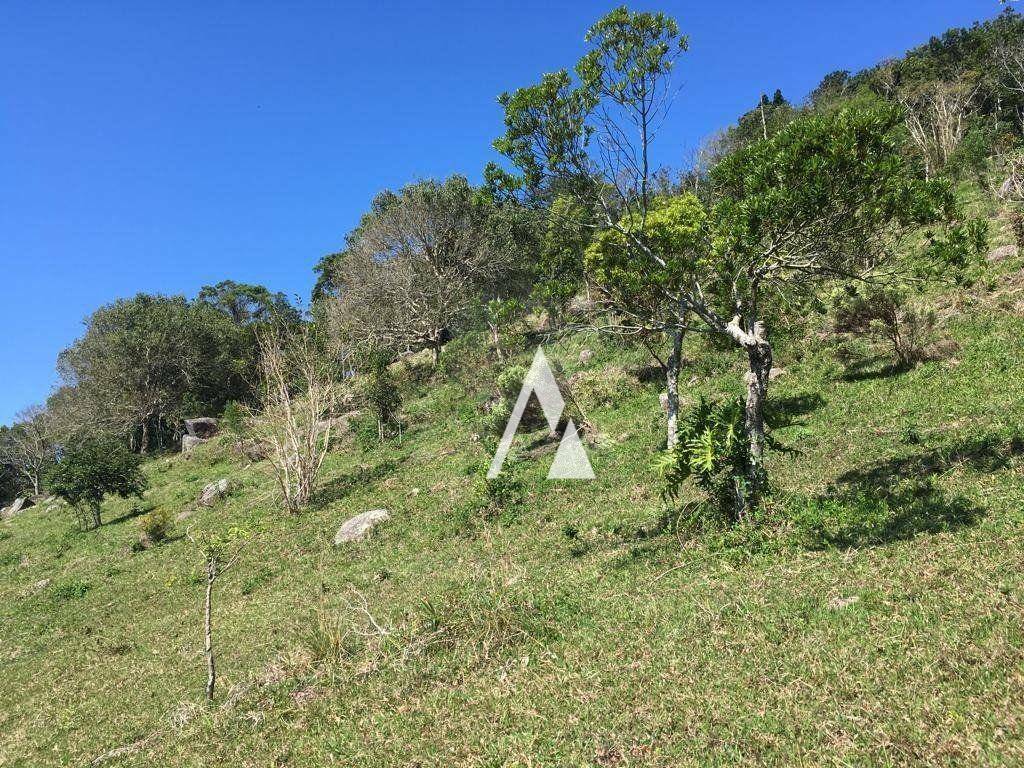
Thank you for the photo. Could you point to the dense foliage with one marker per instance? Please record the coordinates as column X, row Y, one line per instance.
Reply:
column 92, row 469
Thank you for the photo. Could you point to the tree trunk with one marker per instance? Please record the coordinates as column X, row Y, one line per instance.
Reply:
column 672, row 387
column 144, row 442
column 95, row 512
column 759, row 355
column 211, row 666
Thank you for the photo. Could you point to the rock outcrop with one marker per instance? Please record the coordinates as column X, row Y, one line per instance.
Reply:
column 204, row 427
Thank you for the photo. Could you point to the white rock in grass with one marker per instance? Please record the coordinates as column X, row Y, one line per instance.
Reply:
column 215, row 490
column 358, row 528
column 188, row 442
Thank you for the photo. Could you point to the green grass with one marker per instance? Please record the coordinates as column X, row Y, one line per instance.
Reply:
column 877, row 618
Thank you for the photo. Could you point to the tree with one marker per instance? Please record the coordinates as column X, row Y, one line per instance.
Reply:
column 830, row 197
column 220, row 553
column 92, row 469
column 28, row 447
column 135, row 364
column 589, row 139
column 938, row 115
column 248, row 304
column 415, row 267
column 148, row 362
column 297, row 397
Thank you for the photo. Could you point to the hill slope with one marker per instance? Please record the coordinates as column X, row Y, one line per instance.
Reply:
column 879, row 618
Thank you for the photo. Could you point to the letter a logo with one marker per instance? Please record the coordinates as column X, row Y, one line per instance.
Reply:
column 571, row 462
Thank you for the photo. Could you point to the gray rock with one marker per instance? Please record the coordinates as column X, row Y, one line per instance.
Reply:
column 774, row 373
column 204, row 427
column 358, row 528
column 1002, row 253
column 214, row 491
column 188, row 442
column 586, row 356
column 14, row 509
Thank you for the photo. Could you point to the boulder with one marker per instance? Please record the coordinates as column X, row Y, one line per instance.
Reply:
column 188, row 442
column 14, row 509
column 586, row 356
column 774, row 373
column 252, row 449
column 204, row 427
column 1002, row 253
column 359, row 527
column 214, row 491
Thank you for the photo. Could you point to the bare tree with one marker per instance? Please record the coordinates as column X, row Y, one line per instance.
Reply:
column 298, row 395
column 28, row 446
column 937, row 117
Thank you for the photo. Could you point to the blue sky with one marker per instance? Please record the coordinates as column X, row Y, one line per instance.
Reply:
column 160, row 147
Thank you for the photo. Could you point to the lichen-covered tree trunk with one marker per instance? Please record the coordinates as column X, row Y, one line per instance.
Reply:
column 759, row 358
column 672, row 388
column 759, row 355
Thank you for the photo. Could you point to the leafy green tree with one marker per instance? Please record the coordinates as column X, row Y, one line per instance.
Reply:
column 133, row 366
column 246, row 304
column 588, row 141
column 145, row 363
column 830, row 197
column 92, row 469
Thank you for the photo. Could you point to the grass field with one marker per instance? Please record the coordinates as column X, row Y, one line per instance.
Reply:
column 876, row 618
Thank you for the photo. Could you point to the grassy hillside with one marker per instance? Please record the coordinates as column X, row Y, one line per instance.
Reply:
column 877, row 618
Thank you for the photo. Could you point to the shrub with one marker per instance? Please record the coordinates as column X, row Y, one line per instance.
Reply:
column 711, row 451
column 1017, row 224
column 601, row 388
column 382, row 394
column 233, row 419
column 884, row 315
column 70, row 590
column 155, row 527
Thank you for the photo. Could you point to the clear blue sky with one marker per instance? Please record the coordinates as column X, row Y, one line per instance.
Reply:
column 160, row 147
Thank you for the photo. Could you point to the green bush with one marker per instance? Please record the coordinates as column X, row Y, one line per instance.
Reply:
column 233, row 419
column 712, row 453
column 70, row 590
column 90, row 470
column 155, row 527
column 601, row 388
